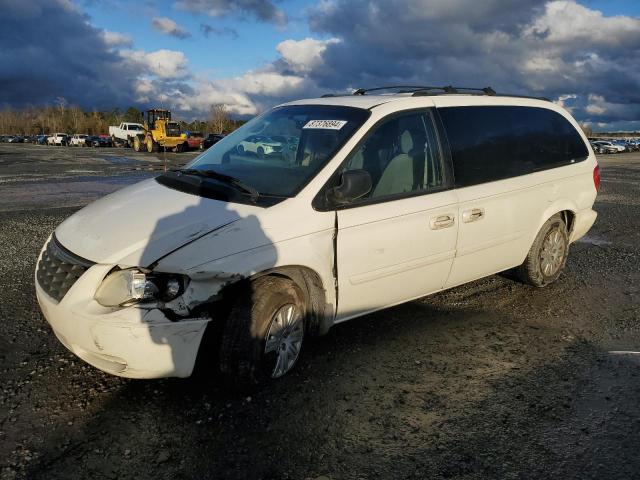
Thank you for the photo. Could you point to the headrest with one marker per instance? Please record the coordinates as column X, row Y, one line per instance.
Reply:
column 406, row 141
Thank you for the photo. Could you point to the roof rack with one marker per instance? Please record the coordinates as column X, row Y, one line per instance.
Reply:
column 420, row 91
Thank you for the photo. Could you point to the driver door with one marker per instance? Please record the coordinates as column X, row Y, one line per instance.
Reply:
column 398, row 242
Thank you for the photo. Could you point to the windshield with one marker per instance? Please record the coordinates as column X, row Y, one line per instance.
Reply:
column 279, row 152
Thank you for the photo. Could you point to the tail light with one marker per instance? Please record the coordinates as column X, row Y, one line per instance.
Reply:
column 596, row 177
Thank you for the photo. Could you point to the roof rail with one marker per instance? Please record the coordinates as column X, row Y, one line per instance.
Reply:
column 420, row 91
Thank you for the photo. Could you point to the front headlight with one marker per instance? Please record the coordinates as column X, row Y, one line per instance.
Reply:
column 123, row 287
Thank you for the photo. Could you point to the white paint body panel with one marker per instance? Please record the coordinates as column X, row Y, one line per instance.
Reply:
column 386, row 254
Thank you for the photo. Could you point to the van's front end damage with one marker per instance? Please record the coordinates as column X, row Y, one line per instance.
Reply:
column 136, row 337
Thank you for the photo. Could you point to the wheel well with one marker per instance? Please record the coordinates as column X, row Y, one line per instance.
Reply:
column 311, row 286
column 568, row 217
column 305, row 278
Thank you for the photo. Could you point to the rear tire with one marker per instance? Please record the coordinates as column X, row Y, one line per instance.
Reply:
column 263, row 334
column 548, row 254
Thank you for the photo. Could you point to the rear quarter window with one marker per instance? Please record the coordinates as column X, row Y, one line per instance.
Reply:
column 497, row 142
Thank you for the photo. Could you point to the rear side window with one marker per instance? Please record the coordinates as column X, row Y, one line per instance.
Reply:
column 494, row 143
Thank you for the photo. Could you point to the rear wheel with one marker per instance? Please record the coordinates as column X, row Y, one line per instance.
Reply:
column 260, row 152
column 240, row 149
column 263, row 334
column 137, row 144
column 548, row 254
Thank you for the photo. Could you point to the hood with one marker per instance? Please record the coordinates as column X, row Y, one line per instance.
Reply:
column 144, row 222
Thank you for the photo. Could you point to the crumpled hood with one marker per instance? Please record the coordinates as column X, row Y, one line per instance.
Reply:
column 140, row 224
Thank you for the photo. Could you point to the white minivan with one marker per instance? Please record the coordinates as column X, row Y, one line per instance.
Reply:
column 381, row 199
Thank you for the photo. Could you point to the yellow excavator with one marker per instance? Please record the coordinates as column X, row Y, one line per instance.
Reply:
column 160, row 133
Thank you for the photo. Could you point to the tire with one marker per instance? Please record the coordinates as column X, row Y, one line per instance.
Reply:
column 152, row 146
column 263, row 334
column 548, row 254
column 260, row 152
column 240, row 149
column 137, row 144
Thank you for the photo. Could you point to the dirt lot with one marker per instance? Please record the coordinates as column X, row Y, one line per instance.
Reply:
column 490, row 380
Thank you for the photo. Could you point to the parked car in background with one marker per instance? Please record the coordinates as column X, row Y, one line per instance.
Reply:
column 606, row 146
column 78, row 140
column 194, row 140
column 105, row 141
column 260, row 145
column 91, row 141
column 635, row 145
column 211, row 139
column 40, row 140
column 13, row 139
column 58, row 139
column 126, row 131
column 621, row 144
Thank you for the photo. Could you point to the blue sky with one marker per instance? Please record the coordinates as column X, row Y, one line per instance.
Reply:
column 217, row 55
column 615, row 7
column 583, row 54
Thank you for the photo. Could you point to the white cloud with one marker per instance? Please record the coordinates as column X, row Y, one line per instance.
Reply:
column 304, row 55
column 116, row 39
column 169, row 27
column 566, row 21
column 164, row 64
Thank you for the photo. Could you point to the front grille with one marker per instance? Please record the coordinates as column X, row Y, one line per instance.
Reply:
column 59, row 269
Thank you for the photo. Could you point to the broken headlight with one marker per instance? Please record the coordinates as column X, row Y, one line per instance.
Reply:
column 125, row 287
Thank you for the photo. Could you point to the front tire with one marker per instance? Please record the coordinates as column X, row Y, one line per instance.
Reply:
column 264, row 332
column 548, row 254
column 152, row 146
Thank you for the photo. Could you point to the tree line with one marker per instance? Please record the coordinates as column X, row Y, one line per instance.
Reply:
column 71, row 119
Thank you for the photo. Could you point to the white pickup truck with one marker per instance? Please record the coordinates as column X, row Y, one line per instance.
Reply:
column 58, row 139
column 126, row 131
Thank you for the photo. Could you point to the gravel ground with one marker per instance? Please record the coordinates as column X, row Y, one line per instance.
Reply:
column 490, row 380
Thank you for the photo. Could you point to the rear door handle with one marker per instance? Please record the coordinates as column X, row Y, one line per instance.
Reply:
column 442, row 221
column 472, row 215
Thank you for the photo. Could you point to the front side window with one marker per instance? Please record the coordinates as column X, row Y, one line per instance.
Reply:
column 491, row 143
column 402, row 156
column 279, row 152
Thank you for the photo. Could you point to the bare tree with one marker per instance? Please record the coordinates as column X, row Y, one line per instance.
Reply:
column 219, row 120
column 586, row 129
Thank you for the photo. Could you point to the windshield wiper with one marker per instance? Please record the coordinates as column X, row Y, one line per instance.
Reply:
column 228, row 179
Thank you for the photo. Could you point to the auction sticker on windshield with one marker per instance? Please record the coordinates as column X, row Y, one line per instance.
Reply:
column 326, row 124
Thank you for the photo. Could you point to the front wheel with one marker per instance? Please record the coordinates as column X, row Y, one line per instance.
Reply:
column 548, row 254
column 263, row 334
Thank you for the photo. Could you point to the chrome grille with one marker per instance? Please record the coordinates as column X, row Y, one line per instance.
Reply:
column 59, row 269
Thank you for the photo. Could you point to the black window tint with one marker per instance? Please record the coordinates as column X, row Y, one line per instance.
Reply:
column 493, row 143
column 402, row 155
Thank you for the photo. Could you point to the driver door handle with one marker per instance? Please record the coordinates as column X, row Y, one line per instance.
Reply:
column 473, row 215
column 442, row 221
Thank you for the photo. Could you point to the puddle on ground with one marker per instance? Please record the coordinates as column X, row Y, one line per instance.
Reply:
column 594, row 240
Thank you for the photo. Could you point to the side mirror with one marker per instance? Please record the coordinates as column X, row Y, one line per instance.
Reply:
column 355, row 184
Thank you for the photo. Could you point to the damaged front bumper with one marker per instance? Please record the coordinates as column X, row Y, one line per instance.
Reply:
column 132, row 342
